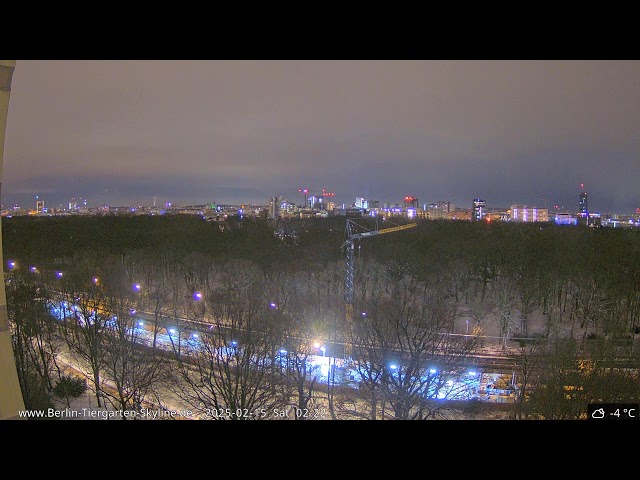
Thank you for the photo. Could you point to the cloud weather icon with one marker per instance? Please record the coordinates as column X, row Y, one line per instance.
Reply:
column 599, row 413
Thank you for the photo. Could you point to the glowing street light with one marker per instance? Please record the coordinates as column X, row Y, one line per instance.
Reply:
column 95, row 280
column 59, row 274
column 137, row 287
column 393, row 366
column 273, row 306
column 11, row 264
column 322, row 348
column 33, row 269
column 197, row 296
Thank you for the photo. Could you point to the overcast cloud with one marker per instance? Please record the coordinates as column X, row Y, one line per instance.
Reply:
column 121, row 132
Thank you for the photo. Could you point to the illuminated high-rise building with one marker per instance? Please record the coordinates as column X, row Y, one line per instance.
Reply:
column 361, row 203
column 584, row 210
column 39, row 206
column 274, row 206
column 479, row 210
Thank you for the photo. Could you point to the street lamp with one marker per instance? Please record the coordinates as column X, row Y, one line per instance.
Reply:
column 137, row 287
column 59, row 274
column 33, row 269
column 11, row 264
column 322, row 348
column 197, row 296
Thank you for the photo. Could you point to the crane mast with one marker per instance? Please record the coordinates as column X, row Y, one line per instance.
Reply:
column 350, row 267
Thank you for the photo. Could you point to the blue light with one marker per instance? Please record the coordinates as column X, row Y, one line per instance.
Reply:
column 433, row 370
column 472, row 374
column 283, row 351
column 137, row 287
column 393, row 366
column 234, row 343
column 195, row 335
column 33, row 269
column 11, row 264
column 272, row 305
column 172, row 330
column 197, row 296
column 59, row 274
column 141, row 324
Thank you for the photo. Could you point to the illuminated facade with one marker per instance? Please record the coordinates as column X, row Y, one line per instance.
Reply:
column 565, row 219
column 361, row 203
column 274, row 207
column 439, row 210
column 522, row 213
column 479, row 210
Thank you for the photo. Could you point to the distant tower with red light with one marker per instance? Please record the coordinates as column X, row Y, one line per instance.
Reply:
column 411, row 202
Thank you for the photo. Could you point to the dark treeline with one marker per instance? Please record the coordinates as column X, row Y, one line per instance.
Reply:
column 577, row 276
column 579, row 269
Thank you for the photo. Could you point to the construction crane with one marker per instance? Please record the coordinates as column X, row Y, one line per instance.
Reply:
column 323, row 193
column 348, row 281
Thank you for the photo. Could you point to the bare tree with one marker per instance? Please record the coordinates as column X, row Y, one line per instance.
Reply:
column 405, row 348
column 131, row 372
column 298, row 346
column 228, row 373
column 479, row 309
column 529, row 359
column 84, row 328
column 34, row 339
column 505, row 298
column 157, row 277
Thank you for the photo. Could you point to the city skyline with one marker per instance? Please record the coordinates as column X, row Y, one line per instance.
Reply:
column 191, row 132
column 74, row 203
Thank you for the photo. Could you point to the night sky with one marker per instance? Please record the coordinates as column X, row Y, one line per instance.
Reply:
column 526, row 132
